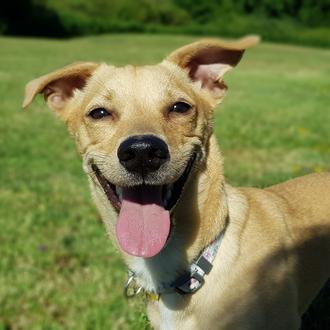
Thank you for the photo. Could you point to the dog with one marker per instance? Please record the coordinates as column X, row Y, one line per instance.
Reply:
column 206, row 254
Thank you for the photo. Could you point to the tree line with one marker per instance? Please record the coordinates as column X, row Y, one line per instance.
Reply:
column 302, row 21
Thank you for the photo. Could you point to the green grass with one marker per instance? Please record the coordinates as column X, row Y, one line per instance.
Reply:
column 58, row 270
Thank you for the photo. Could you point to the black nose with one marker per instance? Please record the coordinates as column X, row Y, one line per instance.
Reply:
column 143, row 153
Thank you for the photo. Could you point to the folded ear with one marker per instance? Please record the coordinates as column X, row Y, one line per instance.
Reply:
column 208, row 60
column 58, row 86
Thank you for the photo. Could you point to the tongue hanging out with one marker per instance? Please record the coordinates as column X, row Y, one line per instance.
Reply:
column 143, row 224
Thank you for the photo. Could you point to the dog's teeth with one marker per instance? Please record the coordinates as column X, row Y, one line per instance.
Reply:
column 168, row 195
column 119, row 192
column 169, row 189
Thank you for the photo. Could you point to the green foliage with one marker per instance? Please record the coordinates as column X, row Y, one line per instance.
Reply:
column 99, row 16
column 58, row 270
column 299, row 21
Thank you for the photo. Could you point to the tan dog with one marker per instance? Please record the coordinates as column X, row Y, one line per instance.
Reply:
column 155, row 171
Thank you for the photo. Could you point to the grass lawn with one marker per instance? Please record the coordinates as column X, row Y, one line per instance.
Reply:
column 58, row 270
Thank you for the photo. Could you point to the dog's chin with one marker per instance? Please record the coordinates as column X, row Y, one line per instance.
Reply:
column 171, row 192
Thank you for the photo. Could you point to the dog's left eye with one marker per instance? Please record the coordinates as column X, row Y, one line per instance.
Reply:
column 99, row 113
column 180, row 107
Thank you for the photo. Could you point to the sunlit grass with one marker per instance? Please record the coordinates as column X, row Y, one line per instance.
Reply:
column 57, row 268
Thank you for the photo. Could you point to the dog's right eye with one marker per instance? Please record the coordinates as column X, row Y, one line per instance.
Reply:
column 99, row 113
column 180, row 107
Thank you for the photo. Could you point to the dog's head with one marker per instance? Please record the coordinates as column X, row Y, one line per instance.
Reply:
column 141, row 129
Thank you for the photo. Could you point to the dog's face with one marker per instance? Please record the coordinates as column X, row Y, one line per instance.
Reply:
column 140, row 130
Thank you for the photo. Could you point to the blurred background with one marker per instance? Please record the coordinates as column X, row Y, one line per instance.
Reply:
column 297, row 21
column 58, row 269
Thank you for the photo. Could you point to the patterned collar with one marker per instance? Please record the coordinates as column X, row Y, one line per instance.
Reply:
column 188, row 283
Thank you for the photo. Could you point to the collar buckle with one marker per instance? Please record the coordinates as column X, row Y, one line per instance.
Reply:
column 131, row 288
column 195, row 282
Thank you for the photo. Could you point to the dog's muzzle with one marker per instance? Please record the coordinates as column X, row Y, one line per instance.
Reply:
column 144, row 210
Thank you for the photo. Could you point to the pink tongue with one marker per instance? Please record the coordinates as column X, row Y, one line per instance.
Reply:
column 143, row 223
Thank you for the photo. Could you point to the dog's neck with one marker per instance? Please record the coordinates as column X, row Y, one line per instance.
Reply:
column 199, row 218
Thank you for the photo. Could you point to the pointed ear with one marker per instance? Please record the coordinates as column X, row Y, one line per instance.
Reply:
column 208, row 60
column 58, row 86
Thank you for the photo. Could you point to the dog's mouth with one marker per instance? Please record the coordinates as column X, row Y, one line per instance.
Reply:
column 144, row 222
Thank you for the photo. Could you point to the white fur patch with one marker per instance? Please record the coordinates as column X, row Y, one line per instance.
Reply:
column 159, row 271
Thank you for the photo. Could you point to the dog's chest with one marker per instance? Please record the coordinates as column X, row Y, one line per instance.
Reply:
column 167, row 319
column 159, row 272
column 167, row 313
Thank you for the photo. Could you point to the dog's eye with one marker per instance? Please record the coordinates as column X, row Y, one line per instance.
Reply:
column 99, row 113
column 180, row 107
